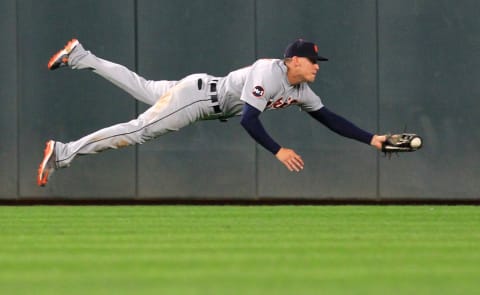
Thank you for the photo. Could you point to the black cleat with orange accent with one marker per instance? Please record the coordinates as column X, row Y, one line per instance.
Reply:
column 60, row 59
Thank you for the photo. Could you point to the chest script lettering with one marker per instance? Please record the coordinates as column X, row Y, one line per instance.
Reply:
column 281, row 103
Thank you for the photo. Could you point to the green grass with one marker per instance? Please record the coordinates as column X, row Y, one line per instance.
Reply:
column 240, row 250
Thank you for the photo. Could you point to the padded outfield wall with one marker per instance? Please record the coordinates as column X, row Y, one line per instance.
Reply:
column 392, row 64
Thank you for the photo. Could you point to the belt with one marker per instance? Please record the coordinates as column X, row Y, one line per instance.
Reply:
column 214, row 96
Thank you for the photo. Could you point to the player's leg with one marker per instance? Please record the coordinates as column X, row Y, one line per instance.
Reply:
column 184, row 104
column 78, row 58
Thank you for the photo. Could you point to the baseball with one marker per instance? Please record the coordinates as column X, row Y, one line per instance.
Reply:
column 416, row 142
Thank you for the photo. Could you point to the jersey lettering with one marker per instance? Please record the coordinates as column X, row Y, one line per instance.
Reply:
column 281, row 103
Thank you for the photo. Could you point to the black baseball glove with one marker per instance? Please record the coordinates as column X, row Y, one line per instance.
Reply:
column 403, row 142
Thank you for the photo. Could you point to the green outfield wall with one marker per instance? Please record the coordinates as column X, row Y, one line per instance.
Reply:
column 393, row 64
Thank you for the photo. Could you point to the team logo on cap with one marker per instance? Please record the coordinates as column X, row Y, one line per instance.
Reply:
column 315, row 47
column 258, row 91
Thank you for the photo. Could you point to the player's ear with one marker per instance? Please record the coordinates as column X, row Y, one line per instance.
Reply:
column 296, row 61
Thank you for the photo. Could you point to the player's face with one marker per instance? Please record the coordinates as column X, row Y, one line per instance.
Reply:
column 309, row 68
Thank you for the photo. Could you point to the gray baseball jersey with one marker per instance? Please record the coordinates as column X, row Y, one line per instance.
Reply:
column 175, row 104
column 264, row 85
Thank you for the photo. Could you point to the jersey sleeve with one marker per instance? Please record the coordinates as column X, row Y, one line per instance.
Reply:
column 260, row 86
column 309, row 101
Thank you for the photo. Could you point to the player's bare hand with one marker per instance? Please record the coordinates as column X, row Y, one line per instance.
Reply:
column 377, row 141
column 290, row 159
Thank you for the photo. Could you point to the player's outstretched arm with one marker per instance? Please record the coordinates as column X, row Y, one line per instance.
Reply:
column 342, row 126
column 251, row 122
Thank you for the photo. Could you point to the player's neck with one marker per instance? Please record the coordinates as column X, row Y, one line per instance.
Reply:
column 294, row 78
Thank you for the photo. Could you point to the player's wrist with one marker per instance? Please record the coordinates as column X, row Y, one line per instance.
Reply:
column 276, row 150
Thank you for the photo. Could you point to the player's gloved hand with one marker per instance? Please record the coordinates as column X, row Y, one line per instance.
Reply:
column 401, row 142
column 378, row 140
column 290, row 159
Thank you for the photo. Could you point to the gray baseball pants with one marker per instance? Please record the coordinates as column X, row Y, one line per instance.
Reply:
column 174, row 104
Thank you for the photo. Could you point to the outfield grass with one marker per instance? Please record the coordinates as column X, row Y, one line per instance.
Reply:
column 240, row 250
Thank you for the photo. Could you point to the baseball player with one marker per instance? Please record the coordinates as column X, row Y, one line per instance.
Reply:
column 267, row 84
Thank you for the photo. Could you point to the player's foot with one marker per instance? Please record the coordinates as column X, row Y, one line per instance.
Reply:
column 47, row 167
column 60, row 59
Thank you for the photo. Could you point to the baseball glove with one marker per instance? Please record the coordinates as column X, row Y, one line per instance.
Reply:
column 403, row 142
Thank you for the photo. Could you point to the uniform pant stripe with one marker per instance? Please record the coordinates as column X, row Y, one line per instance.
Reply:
column 150, row 124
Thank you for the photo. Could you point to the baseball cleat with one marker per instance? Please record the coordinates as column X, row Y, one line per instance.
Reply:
column 47, row 167
column 60, row 59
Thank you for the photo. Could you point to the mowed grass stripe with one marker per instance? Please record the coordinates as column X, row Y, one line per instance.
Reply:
column 239, row 250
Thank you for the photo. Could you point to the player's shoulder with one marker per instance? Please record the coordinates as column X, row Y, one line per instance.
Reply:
column 268, row 62
column 269, row 67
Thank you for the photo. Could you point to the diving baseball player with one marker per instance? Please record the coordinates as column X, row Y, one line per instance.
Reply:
column 265, row 85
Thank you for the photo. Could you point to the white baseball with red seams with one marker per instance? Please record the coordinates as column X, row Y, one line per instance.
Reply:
column 416, row 142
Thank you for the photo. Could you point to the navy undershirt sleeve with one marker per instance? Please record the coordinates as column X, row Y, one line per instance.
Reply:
column 251, row 122
column 341, row 125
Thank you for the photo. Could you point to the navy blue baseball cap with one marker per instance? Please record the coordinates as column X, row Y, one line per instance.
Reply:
column 302, row 48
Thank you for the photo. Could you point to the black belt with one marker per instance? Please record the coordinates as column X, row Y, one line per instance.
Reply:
column 214, row 96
